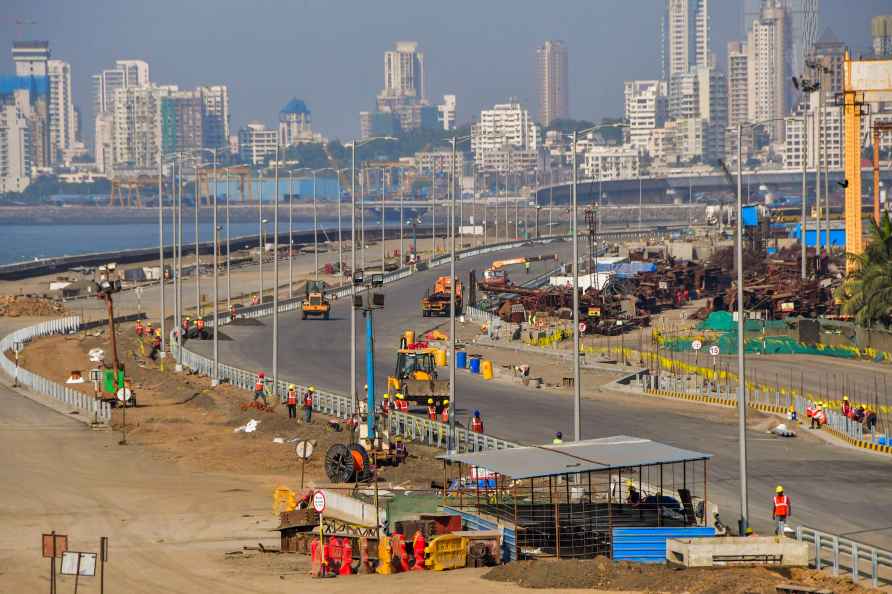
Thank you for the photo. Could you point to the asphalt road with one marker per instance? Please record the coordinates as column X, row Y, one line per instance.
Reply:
column 834, row 488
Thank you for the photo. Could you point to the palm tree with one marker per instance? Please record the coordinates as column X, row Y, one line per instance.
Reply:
column 866, row 293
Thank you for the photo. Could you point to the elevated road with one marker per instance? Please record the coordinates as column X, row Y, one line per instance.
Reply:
column 833, row 488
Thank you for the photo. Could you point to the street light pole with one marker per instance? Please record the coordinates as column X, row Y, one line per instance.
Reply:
column 215, row 380
column 433, row 208
column 577, row 388
column 402, row 193
column 179, row 364
column 802, row 225
column 315, row 233
column 353, row 397
column 161, row 248
column 290, row 234
column 260, row 238
column 276, row 279
column 741, row 371
column 228, row 250
column 452, row 283
column 340, row 241
column 383, row 243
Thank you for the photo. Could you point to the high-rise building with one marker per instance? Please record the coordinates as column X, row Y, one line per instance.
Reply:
column 712, row 91
column 605, row 163
column 31, row 57
column 646, row 110
column 738, row 79
column 103, row 149
column 215, row 116
column 687, row 34
column 125, row 74
column 830, row 52
column 63, row 120
column 182, row 116
column 881, row 31
column 503, row 132
column 684, row 95
column 831, row 139
column 553, row 81
column 404, row 72
column 446, row 112
column 15, row 141
column 769, row 48
column 137, row 127
column 256, row 143
column 295, row 124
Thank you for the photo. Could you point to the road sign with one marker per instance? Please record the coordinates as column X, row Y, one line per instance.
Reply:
column 18, row 346
column 123, row 395
column 61, row 544
column 696, row 345
column 75, row 563
column 319, row 501
column 304, row 449
column 714, row 350
column 582, row 326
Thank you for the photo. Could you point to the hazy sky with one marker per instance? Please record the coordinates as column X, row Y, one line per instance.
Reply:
column 330, row 53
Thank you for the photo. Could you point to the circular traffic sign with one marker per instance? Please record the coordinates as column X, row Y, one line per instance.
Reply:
column 696, row 345
column 714, row 350
column 582, row 326
column 123, row 394
column 319, row 501
column 304, row 449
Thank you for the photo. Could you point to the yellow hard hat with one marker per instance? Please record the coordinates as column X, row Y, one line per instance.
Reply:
column 386, row 395
column 779, row 489
column 430, row 400
column 399, row 396
column 445, row 402
column 630, row 483
column 749, row 531
column 291, row 386
column 312, row 388
column 845, row 397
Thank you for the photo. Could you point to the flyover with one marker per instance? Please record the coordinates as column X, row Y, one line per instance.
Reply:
column 834, row 488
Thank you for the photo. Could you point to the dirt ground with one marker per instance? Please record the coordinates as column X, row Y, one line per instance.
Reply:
column 181, row 418
column 601, row 573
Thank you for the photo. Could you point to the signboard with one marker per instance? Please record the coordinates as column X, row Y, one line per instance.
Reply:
column 517, row 308
column 75, row 563
column 96, row 355
column 582, row 326
column 95, row 375
column 664, row 285
column 696, row 345
column 874, row 77
column 594, row 312
column 124, row 395
column 788, row 306
column 61, row 544
column 714, row 350
column 304, row 449
column 319, row 501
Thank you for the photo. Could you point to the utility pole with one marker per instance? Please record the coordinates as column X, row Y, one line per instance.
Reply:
column 741, row 317
column 577, row 388
column 276, row 279
column 803, row 227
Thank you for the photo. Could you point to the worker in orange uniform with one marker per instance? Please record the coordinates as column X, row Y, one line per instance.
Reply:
column 254, row 299
column 431, row 409
column 260, row 388
column 308, row 404
column 820, row 416
column 291, row 401
column 385, row 404
column 782, row 509
column 444, row 412
column 418, row 546
column 199, row 325
column 156, row 347
column 139, row 327
column 477, row 423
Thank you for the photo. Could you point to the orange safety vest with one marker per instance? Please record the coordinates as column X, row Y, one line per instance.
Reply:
column 308, row 400
column 821, row 416
column 809, row 411
column 138, row 327
column 402, row 405
column 292, row 397
column 477, row 425
column 258, row 387
column 432, row 412
column 444, row 416
column 199, row 324
column 781, row 506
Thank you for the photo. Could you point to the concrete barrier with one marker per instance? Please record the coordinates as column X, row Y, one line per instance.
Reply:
column 734, row 550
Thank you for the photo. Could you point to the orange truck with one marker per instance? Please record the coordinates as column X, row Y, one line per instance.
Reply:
column 436, row 300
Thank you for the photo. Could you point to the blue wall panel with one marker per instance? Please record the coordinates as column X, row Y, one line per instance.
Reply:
column 648, row 545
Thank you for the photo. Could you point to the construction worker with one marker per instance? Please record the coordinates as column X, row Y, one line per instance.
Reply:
column 477, row 423
column 558, row 438
column 260, row 388
column 634, row 497
column 749, row 532
column 444, row 412
column 139, row 329
column 149, row 331
column 431, row 409
column 156, row 347
column 402, row 403
column 308, row 404
column 254, row 299
column 820, row 416
column 291, row 401
column 418, row 545
column 199, row 325
column 385, row 404
column 810, row 411
column 782, row 509
column 846, row 407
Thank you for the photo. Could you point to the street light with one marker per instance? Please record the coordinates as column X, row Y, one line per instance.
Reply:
column 353, row 146
column 577, row 387
column 452, row 282
column 215, row 378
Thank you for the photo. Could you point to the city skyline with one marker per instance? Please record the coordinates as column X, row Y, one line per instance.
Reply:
column 483, row 64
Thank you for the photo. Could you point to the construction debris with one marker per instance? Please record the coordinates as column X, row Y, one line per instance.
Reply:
column 14, row 306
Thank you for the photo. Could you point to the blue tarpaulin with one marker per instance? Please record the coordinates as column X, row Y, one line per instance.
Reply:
column 751, row 215
column 837, row 236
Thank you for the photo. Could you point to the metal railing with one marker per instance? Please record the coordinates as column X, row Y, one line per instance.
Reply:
column 694, row 385
column 838, row 547
column 99, row 412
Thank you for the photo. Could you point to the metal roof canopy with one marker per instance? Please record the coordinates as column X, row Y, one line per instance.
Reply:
column 590, row 455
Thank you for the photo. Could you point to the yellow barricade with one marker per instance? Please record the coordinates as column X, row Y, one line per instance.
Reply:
column 446, row 552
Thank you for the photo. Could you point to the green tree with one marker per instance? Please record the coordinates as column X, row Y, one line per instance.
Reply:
column 866, row 293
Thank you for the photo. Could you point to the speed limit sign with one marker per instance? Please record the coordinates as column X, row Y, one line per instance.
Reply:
column 696, row 345
column 714, row 350
column 582, row 327
column 319, row 501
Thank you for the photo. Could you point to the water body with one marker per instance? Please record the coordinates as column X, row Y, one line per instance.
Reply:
column 19, row 243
